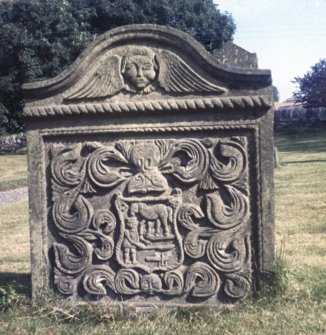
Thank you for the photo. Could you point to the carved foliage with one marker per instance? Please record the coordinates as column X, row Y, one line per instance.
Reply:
column 122, row 225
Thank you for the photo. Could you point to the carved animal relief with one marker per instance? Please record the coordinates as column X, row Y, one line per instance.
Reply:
column 152, row 218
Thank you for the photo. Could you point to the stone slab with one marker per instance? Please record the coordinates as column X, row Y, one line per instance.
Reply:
column 150, row 174
column 233, row 55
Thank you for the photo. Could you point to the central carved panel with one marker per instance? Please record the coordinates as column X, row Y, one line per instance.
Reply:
column 164, row 219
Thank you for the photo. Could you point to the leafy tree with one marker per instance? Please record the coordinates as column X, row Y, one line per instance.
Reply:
column 312, row 86
column 3, row 119
column 275, row 93
column 39, row 38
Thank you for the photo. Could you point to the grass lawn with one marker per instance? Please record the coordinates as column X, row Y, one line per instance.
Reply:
column 13, row 171
column 299, row 307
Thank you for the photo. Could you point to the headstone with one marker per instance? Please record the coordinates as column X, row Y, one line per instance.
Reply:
column 150, row 174
column 233, row 55
column 276, row 158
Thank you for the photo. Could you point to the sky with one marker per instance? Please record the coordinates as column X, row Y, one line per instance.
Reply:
column 289, row 36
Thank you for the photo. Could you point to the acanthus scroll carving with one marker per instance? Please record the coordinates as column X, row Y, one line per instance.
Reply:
column 155, row 217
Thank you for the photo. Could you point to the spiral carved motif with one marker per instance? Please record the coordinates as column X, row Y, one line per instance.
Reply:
column 227, row 253
column 157, row 218
column 127, row 281
column 201, row 280
column 100, row 171
column 97, row 279
column 236, row 286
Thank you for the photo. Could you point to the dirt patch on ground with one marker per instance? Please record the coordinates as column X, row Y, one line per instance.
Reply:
column 7, row 197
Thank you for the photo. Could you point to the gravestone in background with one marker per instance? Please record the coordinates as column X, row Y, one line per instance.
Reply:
column 150, row 174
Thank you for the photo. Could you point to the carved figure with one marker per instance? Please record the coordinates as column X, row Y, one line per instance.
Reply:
column 145, row 159
column 161, row 214
column 151, row 283
column 139, row 69
column 131, row 240
column 142, row 71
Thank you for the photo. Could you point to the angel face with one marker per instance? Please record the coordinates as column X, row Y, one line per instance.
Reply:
column 139, row 69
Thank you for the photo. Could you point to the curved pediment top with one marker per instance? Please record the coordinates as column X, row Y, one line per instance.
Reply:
column 172, row 63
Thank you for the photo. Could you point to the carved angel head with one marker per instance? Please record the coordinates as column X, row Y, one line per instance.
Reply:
column 139, row 69
column 142, row 70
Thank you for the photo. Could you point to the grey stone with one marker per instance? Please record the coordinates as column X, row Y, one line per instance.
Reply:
column 276, row 158
column 298, row 115
column 12, row 144
column 233, row 55
column 150, row 174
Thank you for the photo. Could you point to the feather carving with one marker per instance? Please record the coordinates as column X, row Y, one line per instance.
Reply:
column 175, row 76
column 105, row 81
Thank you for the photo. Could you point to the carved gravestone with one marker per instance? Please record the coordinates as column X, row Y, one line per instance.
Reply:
column 150, row 174
column 233, row 55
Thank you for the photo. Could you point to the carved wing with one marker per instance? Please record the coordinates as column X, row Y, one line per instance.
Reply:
column 104, row 81
column 177, row 77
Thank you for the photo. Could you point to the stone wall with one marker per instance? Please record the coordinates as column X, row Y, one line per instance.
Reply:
column 299, row 116
column 15, row 143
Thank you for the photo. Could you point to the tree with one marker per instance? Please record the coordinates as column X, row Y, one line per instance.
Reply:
column 275, row 93
column 312, row 86
column 40, row 38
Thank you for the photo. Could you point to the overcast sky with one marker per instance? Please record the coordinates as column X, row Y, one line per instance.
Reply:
column 289, row 36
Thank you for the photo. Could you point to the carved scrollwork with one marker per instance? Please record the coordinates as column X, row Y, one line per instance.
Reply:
column 228, row 252
column 65, row 284
column 187, row 160
column 97, row 278
column 72, row 212
column 201, row 280
column 226, row 216
column 103, row 244
column 236, row 285
column 102, row 167
column 187, row 214
column 174, row 281
column 69, row 262
column 171, row 240
column 66, row 166
column 229, row 162
column 104, row 220
column 127, row 281
column 194, row 245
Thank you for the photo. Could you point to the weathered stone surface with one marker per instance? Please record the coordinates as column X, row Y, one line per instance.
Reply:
column 298, row 115
column 233, row 55
column 150, row 174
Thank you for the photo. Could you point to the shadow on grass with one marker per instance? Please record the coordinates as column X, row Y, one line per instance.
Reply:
column 312, row 140
column 307, row 161
column 316, row 229
column 20, row 281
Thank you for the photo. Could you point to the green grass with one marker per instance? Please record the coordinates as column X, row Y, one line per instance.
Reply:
column 13, row 171
column 295, row 305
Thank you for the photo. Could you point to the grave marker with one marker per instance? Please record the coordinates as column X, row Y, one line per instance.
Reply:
column 150, row 174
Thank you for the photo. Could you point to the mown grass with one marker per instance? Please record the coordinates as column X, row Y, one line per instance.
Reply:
column 295, row 305
column 13, row 171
